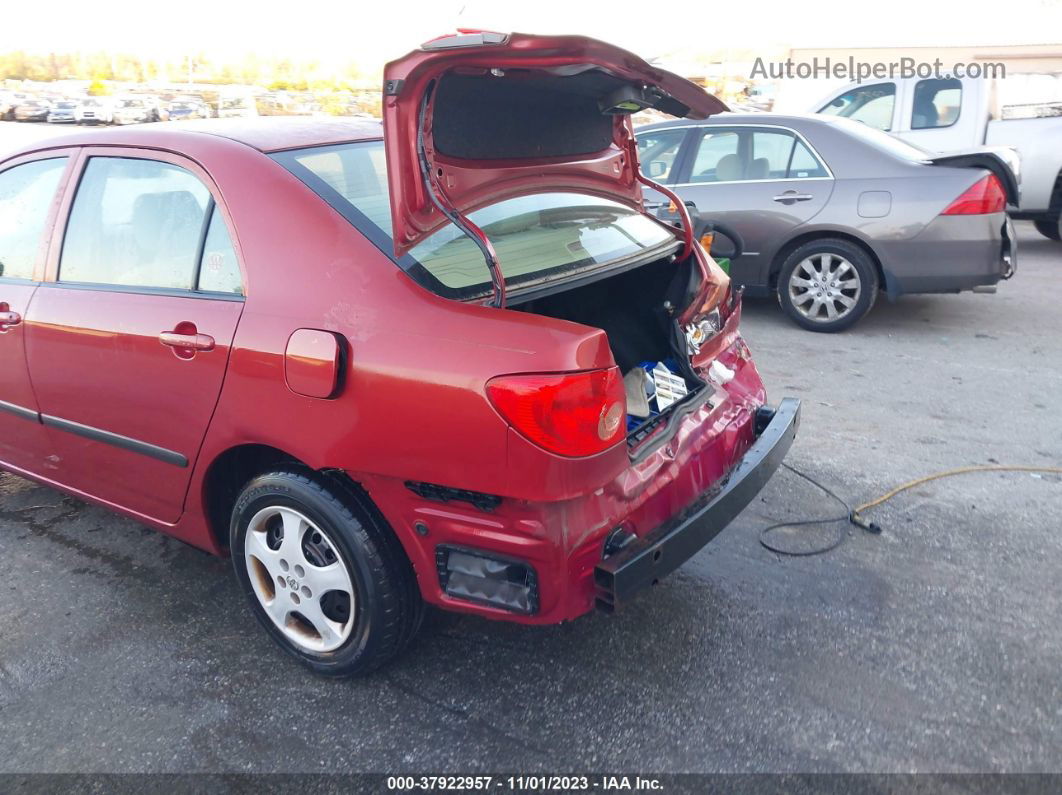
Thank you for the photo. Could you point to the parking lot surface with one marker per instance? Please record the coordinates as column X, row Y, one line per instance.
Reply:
column 935, row 646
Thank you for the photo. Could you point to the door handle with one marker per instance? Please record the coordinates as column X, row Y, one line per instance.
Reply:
column 792, row 196
column 9, row 318
column 185, row 340
column 195, row 342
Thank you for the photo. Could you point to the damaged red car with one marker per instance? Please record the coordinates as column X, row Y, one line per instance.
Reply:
column 450, row 361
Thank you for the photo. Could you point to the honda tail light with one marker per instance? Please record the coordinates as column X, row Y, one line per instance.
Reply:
column 571, row 414
column 983, row 197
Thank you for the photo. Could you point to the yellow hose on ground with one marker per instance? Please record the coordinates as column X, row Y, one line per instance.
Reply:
column 957, row 471
column 856, row 516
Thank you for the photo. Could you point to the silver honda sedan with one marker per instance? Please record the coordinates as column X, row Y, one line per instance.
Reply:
column 830, row 211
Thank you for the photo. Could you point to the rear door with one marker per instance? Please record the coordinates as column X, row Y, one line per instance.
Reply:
column 128, row 338
column 29, row 188
column 765, row 181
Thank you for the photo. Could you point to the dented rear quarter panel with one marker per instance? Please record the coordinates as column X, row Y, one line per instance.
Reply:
column 563, row 536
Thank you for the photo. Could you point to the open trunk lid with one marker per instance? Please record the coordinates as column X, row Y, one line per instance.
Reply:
column 476, row 118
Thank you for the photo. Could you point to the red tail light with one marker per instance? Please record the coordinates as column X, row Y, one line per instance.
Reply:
column 572, row 414
column 984, row 196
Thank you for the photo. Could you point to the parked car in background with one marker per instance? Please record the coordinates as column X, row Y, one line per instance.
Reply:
column 185, row 108
column 237, row 107
column 94, row 110
column 947, row 114
column 134, row 110
column 9, row 100
column 305, row 105
column 521, row 431
column 32, row 110
column 287, row 104
column 832, row 211
column 271, row 104
column 62, row 112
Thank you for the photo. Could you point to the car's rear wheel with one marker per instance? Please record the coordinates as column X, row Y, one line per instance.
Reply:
column 1051, row 229
column 323, row 572
column 827, row 285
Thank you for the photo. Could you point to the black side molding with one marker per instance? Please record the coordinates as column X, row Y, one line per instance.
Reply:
column 117, row 440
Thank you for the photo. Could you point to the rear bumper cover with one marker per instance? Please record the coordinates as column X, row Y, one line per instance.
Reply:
column 951, row 254
column 641, row 564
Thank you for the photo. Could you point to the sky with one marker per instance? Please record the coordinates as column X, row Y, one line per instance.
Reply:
column 374, row 32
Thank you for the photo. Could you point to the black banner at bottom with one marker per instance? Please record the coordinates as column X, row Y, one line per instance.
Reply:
column 504, row 783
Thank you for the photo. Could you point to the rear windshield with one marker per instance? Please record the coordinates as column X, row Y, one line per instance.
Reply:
column 538, row 238
column 883, row 141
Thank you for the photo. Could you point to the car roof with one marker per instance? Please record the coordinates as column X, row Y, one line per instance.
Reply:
column 266, row 134
column 272, row 134
column 744, row 118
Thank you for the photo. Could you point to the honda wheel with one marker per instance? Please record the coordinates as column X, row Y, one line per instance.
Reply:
column 827, row 285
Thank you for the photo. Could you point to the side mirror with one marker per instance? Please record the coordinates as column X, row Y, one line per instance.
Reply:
column 656, row 168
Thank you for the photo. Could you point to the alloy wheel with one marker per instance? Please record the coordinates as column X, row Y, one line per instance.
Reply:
column 824, row 287
column 299, row 578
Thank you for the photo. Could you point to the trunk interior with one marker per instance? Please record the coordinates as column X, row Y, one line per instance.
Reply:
column 635, row 309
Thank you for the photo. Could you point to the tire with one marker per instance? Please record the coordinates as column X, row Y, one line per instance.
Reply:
column 1052, row 230
column 799, row 278
column 343, row 600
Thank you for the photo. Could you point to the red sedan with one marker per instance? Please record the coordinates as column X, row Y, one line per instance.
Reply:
column 446, row 361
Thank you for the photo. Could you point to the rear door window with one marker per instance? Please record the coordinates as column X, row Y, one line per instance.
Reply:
column 135, row 223
column 779, row 154
column 746, row 154
column 26, row 195
column 148, row 224
column 803, row 164
column 717, row 158
column 219, row 272
column 771, row 152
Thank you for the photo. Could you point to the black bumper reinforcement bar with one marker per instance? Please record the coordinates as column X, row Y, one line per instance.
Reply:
column 642, row 563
